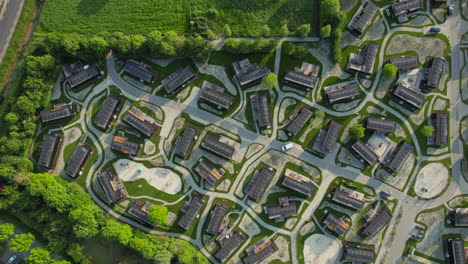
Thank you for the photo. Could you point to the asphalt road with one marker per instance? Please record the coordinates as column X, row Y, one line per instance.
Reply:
column 8, row 19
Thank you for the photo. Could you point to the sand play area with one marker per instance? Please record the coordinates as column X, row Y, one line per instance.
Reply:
column 321, row 249
column 160, row 178
column 431, row 180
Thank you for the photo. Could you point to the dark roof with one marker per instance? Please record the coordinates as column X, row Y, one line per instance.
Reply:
column 258, row 183
column 78, row 75
column 461, row 217
column 400, row 155
column 344, row 196
column 106, row 113
column 112, row 185
column 212, row 143
column 48, row 150
column 208, row 172
column 358, row 253
column 78, row 160
column 298, row 183
column 279, row 212
column 190, row 211
column 409, row 96
column 304, row 77
column 365, row 152
column 364, row 60
column 336, row 224
column 59, row 112
column 140, row 210
column 347, row 92
column 403, row 7
column 299, row 121
column 375, row 224
column 211, row 93
column 456, row 250
column 185, row 141
column 261, row 105
column 178, row 79
column 440, row 128
column 333, row 131
column 380, row 124
column 235, row 239
column 137, row 119
column 140, row 70
column 125, row 146
column 365, row 17
column 219, row 212
column 434, row 73
column 259, row 251
column 248, row 73
column 404, row 63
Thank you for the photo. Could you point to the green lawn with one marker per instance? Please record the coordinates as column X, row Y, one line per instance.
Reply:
column 246, row 17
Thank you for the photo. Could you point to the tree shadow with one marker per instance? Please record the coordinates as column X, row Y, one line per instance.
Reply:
column 89, row 7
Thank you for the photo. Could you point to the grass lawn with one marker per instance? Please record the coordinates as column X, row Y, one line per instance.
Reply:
column 245, row 17
column 108, row 251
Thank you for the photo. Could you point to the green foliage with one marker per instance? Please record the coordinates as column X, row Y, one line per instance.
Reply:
column 158, row 214
column 114, row 230
column 270, row 81
column 283, row 31
column 357, row 131
column 330, row 13
column 427, row 131
column 303, row 30
column 266, row 31
column 227, row 31
column 389, row 70
column 210, row 34
column 75, row 252
column 325, row 31
column 21, row 242
column 11, row 118
column 38, row 256
column 296, row 51
column 6, row 230
column 319, row 113
column 247, row 46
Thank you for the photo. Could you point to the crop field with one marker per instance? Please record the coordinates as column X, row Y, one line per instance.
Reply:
column 245, row 17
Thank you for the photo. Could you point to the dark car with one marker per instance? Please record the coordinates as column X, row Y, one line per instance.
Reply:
column 435, row 30
column 15, row 260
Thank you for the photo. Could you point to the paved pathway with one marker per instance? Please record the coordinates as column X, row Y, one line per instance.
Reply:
column 9, row 16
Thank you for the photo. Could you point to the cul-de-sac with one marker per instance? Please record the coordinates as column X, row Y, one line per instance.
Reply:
column 248, row 131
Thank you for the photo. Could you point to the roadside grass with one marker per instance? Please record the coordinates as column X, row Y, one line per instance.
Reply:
column 110, row 251
column 144, row 16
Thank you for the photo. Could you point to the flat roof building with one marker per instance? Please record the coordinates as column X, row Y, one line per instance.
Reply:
column 139, row 120
column 456, row 250
column 78, row 160
column 208, row 172
column 77, row 75
column 376, row 223
column 297, row 182
column 247, row 74
column 339, row 225
column 140, row 70
column 113, row 187
column 298, row 121
column 348, row 92
column 140, row 210
column 211, row 143
column 229, row 243
column 190, row 211
column 125, row 146
column 261, row 109
column 218, row 215
column 284, row 209
column 382, row 125
column 363, row 62
column 405, row 7
column 365, row 153
column 178, row 79
column 399, row 156
column 214, row 95
column 259, row 251
column 348, row 197
column 108, row 112
column 363, row 17
column 49, row 150
column 331, row 136
column 305, row 78
column 440, row 123
column 461, row 217
column 434, row 73
column 59, row 112
column 258, row 183
column 405, row 63
column 408, row 97
column 185, row 141
column 362, row 254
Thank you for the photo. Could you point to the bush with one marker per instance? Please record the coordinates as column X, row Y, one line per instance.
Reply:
column 303, row 30
column 325, row 31
column 295, row 50
column 427, row 131
column 389, row 70
column 357, row 131
column 270, row 81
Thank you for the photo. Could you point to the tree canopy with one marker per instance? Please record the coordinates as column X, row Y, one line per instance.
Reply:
column 357, row 131
column 6, row 230
column 158, row 214
column 389, row 70
column 427, row 131
column 270, row 81
column 39, row 256
column 303, row 30
column 325, row 31
column 21, row 242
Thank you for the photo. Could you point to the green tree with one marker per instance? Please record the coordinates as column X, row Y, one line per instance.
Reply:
column 117, row 231
column 303, row 30
column 21, row 242
column 98, row 46
column 356, row 131
column 227, row 31
column 270, row 81
column 389, row 70
column 85, row 222
column 25, row 105
column 197, row 48
column 6, row 230
column 71, row 44
column 265, row 31
column 427, row 131
column 38, row 256
column 319, row 113
column 11, row 118
column 325, row 31
column 210, row 34
column 153, row 43
column 158, row 214
column 14, row 145
column 283, row 31
column 330, row 13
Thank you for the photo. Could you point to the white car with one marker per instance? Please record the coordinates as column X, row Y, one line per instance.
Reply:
column 287, row 147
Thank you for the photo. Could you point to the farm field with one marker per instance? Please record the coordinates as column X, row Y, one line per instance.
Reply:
column 245, row 17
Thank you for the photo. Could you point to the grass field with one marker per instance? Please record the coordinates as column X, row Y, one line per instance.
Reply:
column 246, row 17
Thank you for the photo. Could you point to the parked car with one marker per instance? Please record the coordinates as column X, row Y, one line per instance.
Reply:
column 435, row 29
column 14, row 260
column 450, row 10
column 385, row 194
column 287, row 147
